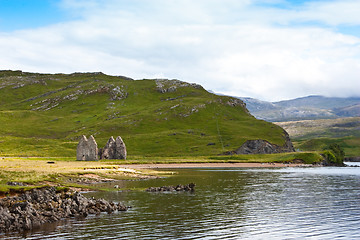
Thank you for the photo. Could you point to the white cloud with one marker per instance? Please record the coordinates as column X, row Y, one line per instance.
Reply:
column 228, row 46
column 332, row 12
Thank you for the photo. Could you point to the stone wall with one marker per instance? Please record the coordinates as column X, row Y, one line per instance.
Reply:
column 87, row 149
column 114, row 149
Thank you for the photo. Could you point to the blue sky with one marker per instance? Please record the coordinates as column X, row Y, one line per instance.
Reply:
column 21, row 14
column 267, row 49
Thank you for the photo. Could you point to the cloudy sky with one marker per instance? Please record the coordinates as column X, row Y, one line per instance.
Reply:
column 267, row 49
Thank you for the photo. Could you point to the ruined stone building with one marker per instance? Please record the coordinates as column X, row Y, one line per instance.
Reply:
column 88, row 150
column 114, row 149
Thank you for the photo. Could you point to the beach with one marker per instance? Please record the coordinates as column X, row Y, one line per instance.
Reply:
column 211, row 165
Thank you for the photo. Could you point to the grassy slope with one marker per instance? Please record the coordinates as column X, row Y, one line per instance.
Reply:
column 44, row 115
column 315, row 135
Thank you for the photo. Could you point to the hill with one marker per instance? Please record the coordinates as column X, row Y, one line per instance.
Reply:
column 45, row 115
column 305, row 108
column 310, row 135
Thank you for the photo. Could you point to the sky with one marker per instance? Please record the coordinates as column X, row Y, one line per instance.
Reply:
column 266, row 49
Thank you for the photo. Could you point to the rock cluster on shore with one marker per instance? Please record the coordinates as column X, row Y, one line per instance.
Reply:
column 188, row 187
column 38, row 206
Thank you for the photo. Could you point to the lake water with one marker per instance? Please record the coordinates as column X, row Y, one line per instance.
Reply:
column 286, row 203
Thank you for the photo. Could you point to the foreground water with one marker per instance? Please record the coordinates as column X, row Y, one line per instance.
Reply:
column 287, row 203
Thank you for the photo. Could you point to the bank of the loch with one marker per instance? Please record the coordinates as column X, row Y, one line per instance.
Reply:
column 46, row 205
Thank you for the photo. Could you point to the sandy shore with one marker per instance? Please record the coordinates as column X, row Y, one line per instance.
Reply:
column 211, row 165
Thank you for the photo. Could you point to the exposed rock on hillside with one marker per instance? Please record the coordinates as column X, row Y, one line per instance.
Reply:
column 264, row 147
column 165, row 85
column 72, row 93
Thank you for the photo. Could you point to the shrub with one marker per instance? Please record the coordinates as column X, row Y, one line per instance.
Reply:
column 329, row 157
column 338, row 152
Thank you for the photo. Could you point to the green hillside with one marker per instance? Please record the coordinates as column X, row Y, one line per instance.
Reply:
column 45, row 114
column 315, row 135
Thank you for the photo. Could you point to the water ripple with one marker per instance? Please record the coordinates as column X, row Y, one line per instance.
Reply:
column 238, row 204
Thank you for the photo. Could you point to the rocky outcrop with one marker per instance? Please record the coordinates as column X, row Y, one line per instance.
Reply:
column 87, row 149
column 165, row 85
column 257, row 147
column 260, row 146
column 189, row 187
column 288, row 146
column 114, row 149
column 39, row 206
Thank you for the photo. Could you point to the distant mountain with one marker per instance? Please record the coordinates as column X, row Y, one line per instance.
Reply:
column 305, row 108
column 348, row 111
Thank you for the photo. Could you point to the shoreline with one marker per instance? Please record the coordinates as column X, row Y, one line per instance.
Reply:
column 211, row 165
column 36, row 207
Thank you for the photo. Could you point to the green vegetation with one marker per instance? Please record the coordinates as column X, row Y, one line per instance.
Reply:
column 334, row 155
column 350, row 145
column 45, row 114
column 316, row 135
column 64, row 172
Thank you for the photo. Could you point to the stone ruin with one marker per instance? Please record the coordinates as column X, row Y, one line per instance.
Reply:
column 114, row 149
column 87, row 149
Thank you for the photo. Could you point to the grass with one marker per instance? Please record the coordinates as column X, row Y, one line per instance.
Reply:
column 45, row 114
column 37, row 172
column 42, row 117
column 66, row 172
column 315, row 135
column 351, row 145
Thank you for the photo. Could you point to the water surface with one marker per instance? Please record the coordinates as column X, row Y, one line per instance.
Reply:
column 286, row 203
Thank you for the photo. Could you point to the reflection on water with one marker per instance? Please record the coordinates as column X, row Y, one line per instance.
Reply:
column 288, row 203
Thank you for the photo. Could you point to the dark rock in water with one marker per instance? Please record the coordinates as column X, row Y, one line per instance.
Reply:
column 260, row 146
column 46, row 205
column 189, row 187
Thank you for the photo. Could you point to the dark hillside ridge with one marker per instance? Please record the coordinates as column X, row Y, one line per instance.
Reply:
column 46, row 114
column 305, row 108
